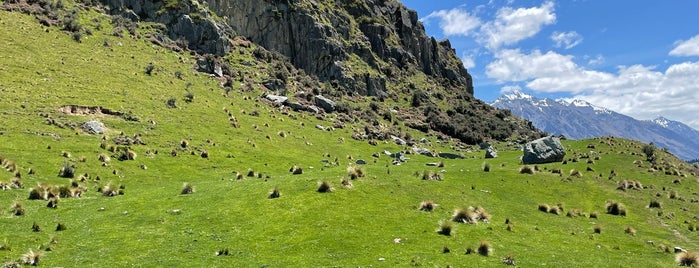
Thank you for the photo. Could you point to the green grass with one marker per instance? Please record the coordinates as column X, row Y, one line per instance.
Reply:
column 152, row 224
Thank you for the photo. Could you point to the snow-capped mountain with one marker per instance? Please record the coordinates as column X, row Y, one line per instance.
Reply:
column 578, row 119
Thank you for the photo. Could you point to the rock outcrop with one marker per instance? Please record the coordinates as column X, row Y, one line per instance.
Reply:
column 186, row 23
column 355, row 45
column 544, row 150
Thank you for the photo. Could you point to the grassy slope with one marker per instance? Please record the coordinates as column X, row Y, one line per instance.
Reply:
column 42, row 70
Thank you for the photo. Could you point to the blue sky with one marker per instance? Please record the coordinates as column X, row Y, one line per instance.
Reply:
column 640, row 58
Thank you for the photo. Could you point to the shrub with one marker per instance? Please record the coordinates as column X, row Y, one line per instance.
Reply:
column 275, row 193
column 654, row 204
column 325, row 187
column 17, row 208
column 445, row 228
column 689, row 259
column 616, row 208
column 32, row 257
column 649, row 151
column 630, row 230
column 187, row 188
column 66, row 171
column 484, row 248
column 526, row 170
column 427, row 205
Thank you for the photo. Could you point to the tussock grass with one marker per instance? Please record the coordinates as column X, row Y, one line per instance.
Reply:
column 615, row 208
column 654, row 204
column 67, row 171
column 346, row 183
column 486, row 167
column 355, row 172
column 187, row 188
column 429, row 175
column 484, row 248
column 470, row 215
column 17, row 208
column 526, row 170
column 630, row 230
column 428, row 206
column 325, row 187
column 275, row 193
column 575, row 173
column 689, row 259
column 296, row 170
column 445, row 228
column 32, row 257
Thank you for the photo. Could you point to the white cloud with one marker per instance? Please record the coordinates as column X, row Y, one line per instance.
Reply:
column 566, row 39
column 687, row 48
column 639, row 91
column 597, row 60
column 510, row 89
column 513, row 25
column 468, row 61
column 455, row 21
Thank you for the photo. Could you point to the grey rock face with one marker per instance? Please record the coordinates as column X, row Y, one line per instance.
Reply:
column 276, row 99
column 93, row 127
column 544, row 150
column 327, row 104
column 318, row 38
column 202, row 34
column 422, row 151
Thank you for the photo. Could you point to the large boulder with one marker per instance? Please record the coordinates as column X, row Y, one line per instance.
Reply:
column 327, row 104
column 93, row 127
column 544, row 150
column 491, row 153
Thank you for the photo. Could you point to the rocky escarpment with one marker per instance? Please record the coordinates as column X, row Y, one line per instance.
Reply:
column 358, row 46
column 186, row 23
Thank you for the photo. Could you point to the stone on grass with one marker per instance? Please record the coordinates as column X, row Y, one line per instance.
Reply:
column 544, row 150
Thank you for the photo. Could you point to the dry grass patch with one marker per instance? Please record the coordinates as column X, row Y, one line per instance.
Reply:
column 630, row 230
column 325, row 187
column 274, row 193
column 445, row 228
column 187, row 188
column 32, row 257
column 615, row 208
column 355, row 172
column 470, row 215
column 429, row 175
column 526, row 170
column 428, row 205
column 484, row 248
column 296, row 170
column 689, row 259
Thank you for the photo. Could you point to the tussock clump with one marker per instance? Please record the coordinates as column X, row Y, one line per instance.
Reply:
column 111, row 190
column 486, row 167
column 629, row 184
column 274, row 193
column 509, row 260
column 689, row 259
column 104, row 158
column 445, row 228
column 575, row 173
column 64, row 191
column 428, row 205
column 67, row 171
column 346, row 183
column 593, row 215
column 36, row 228
column 239, row 176
column 355, row 172
column 204, row 154
column 574, row 213
column 672, row 194
column 61, row 227
column 654, row 204
column 615, row 208
column 470, row 215
column 251, row 173
column 469, row 251
column 526, row 170
column 556, row 171
column 296, row 170
column 429, row 175
column 53, row 203
column 17, row 208
column 544, row 208
column 555, row 210
column 37, row 193
column 325, row 187
column 484, row 248
column 597, row 229
column 187, row 188
column 16, row 183
column 32, row 257
column 630, row 230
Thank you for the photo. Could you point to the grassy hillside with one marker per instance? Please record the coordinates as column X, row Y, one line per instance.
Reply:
column 229, row 220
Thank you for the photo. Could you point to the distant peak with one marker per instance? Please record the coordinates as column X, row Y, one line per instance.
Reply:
column 515, row 95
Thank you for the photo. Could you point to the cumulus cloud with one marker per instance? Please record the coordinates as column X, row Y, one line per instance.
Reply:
column 566, row 40
column 639, row 91
column 513, row 25
column 597, row 60
column 455, row 21
column 468, row 61
column 687, row 48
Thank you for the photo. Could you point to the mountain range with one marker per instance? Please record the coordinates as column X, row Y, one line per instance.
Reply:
column 578, row 119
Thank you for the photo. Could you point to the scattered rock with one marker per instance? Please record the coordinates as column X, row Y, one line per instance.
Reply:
column 320, row 127
column 276, row 98
column 325, row 103
column 423, row 151
column 360, row 162
column 544, row 150
column 93, row 127
column 432, row 164
column 491, row 153
column 398, row 140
